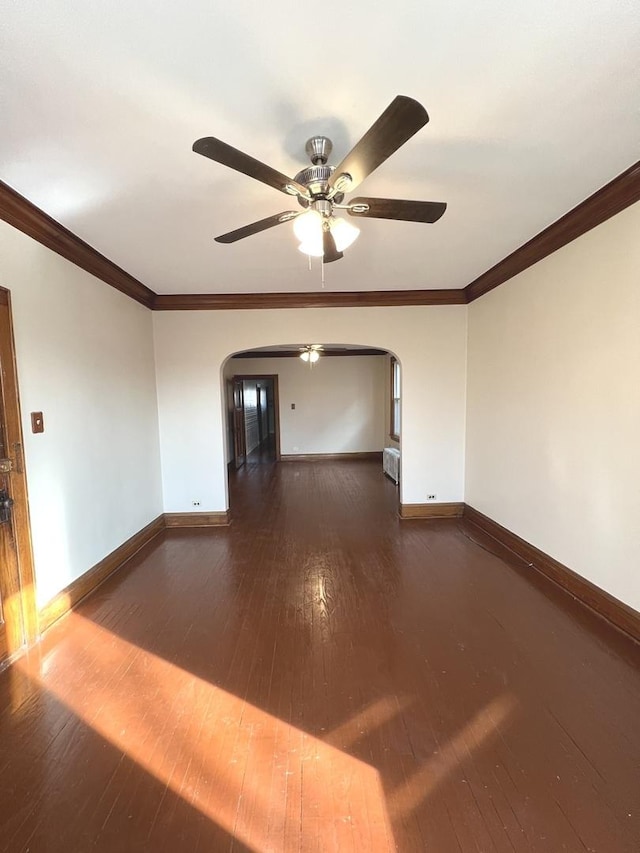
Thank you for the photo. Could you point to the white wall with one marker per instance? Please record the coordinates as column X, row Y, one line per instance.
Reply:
column 85, row 359
column 553, row 414
column 339, row 402
column 191, row 347
column 553, row 423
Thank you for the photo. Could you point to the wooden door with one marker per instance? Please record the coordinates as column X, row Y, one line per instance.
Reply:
column 239, row 435
column 17, row 600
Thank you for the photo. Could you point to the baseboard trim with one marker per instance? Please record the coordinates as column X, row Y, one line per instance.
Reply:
column 196, row 519
column 68, row 598
column 608, row 607
column 374, row 455
column 431, row 510
column 80, row 588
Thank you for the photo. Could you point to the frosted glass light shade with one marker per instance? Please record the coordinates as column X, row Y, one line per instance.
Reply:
column 312, row 247
column 305, row 355
column 344, row 233
column 308, row 229
column 308, row 226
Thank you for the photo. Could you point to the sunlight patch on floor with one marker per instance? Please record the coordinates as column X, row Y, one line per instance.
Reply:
column 483, row 727
column 258, row 777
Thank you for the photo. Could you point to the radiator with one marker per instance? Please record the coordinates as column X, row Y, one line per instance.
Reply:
column 391, row 463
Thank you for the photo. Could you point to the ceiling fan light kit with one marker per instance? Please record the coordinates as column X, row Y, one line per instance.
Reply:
column 311, row 354
column 312, row 248
column 344, row 233
column 320, row 188
column 308, row 226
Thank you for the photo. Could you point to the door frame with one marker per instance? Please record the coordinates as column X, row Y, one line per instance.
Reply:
column 238, row 429
column 276, row 401
column 20, row 521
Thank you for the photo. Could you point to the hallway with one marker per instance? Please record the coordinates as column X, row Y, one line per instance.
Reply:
column 264, row 453
column 321, row 676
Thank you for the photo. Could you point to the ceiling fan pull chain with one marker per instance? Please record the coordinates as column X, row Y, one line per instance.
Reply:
column 323, row 272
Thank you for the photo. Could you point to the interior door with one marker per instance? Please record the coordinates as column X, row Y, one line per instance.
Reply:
column 239, row 435
column 13, row 631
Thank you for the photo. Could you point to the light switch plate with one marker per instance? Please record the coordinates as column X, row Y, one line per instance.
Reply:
column 37, row 422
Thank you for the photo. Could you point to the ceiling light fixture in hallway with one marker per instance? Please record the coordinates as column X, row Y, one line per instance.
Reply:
column 311, row 353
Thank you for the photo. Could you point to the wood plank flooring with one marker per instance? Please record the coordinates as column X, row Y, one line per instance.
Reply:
column 322, row 676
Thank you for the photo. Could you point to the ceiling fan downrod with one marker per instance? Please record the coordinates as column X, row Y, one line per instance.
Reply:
column 318, row 149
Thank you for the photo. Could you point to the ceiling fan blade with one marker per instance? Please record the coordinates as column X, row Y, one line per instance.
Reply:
column 402, row 118
column 396, row 208
column 219, row 151
column 256, row 227
column 329, row 248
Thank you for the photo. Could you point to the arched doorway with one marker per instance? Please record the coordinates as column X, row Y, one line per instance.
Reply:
column 342, row 404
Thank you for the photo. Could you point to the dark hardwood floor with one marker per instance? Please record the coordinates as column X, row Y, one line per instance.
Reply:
column 321, row 676
column 264, row 453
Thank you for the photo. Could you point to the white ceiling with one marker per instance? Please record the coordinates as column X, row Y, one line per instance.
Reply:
column 533, row 107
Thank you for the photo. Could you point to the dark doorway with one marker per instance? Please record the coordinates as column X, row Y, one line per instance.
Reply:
column 254, row 419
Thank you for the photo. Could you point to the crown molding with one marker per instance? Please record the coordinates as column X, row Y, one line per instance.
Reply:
column 26, row 217
column 606, row 202
column 324, row 299
column 614, row 197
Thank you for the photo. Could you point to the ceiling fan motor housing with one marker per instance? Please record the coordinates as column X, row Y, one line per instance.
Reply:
column 315, row 178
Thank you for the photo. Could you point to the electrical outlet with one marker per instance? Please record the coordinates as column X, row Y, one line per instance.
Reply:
column 195, row 503
column 431, row 497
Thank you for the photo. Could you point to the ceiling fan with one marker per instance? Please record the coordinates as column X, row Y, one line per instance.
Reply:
column 320, row 188
column 311, row 353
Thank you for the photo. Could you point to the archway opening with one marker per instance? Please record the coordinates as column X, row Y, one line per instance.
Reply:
column 311, row 402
